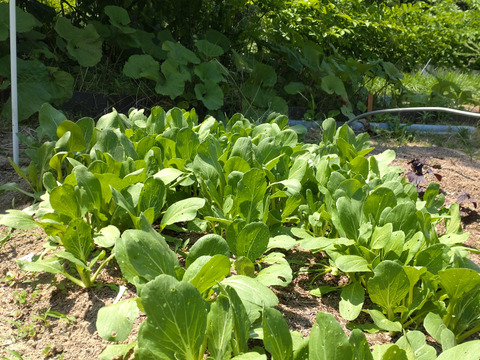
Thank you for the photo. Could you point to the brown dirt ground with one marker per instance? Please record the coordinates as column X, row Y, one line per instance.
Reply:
column 26, row 297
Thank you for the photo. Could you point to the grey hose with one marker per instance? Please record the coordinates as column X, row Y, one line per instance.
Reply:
column 412, row 109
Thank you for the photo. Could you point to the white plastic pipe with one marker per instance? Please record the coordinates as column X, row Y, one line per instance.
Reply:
column 13, row 85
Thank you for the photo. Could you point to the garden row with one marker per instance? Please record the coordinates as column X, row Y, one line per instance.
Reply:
column 109, row 191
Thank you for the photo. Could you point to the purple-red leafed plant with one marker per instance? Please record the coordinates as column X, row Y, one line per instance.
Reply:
column 417, row 175
column 464, row 196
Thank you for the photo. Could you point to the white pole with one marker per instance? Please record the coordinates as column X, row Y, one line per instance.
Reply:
column 13, row 69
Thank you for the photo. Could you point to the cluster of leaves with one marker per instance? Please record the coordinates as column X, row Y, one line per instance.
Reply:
column 250, row 56
column 405, row 33
column 110, row 189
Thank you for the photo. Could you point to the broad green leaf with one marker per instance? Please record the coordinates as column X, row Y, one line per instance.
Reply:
column 168, row 175
column 153, row 195
column 351, row 303
column 211, row 70
column 18, row 219
column 298, row 169
column 294, row 87
column 350, row 213
column 285, row 242
column 208, row 49
column 380, row 237
column 328, row 341
column 156, row 121
column 276, row 336
column 236, row 163
column 115, row 351
column 118, row 16
column 177, row 328
column 435, row 258
column 279, row 274
column 124, row 200
column 78, row 240
column 34, row 88
column 180, row 53
column 352, row 263
column 243, row 147
column 245, row 266
column 142, row 66
column 187, row 144
column 454, row 224
column 49, row 119
column 360, row 346
column 183, row 210
column 250, row 356
column 76, row 141
column 143, row 256
column 174, row 78
column 251, row 241
column 383, row 323
column 52, row 265
column 403, row 217
column 469, row 350
column 84, row 45
column 388, row 286
column 458, row 282
column 206, row 271
column 332, row 84
column 253, row 294
column 389, row 352
column 415, row 346
column 360, row 166
column 220, row 322
column 377, row 201
column 115, row 322
column 210, row 244
column 435, row 326
column 323, row 290
column 91, row 185
column 24, row 21
column 64, row 201
column 107, row 236
column 241, row 322
column 287, row 137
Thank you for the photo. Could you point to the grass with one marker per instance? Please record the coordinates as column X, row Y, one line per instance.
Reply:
column 423, row 81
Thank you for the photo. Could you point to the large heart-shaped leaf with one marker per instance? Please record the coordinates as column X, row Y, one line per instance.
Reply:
column 85, row 45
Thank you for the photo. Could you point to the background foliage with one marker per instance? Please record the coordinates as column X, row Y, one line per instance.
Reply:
column 236, row 55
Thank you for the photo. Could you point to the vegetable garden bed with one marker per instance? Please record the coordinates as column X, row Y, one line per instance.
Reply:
column 274, row 188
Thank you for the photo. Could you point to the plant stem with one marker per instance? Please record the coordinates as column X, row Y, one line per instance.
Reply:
column 468, row 333
column 102, row 265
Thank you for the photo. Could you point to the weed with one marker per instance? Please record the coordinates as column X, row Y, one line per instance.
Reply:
column 24, row 330
column 53, row 314
column 9, row 278
column 23, row 297
column 13, row 353
column 6, row 237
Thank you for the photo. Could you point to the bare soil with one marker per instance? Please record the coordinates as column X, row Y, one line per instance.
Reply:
column 25, row 297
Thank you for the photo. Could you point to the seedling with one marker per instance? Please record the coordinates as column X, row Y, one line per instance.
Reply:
column 464, row 196
column 24, row 330
column 22, row 297
column 417, row 175
column 54, row 314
